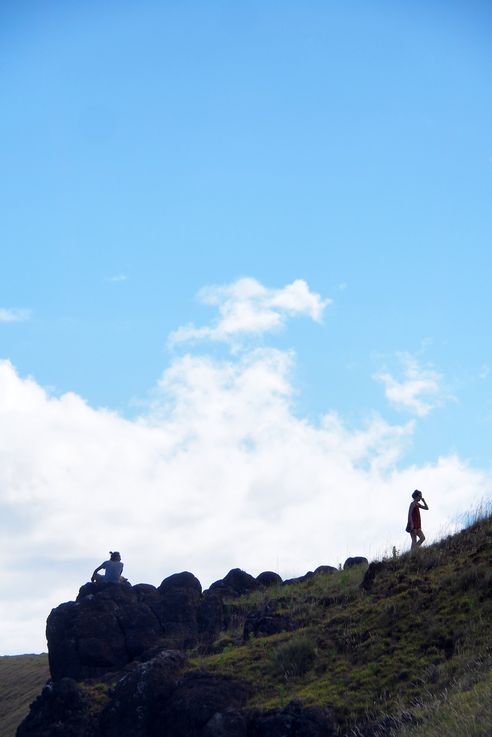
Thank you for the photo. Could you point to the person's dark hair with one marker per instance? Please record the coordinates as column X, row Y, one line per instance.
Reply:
column 416, row 494
column 115, row 555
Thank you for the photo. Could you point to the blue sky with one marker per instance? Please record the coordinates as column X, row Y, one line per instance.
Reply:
column 151, row 150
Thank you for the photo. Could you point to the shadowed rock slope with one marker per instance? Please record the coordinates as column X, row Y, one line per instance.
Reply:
column 402, row 647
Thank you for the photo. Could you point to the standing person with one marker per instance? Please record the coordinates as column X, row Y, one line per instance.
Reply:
column 414, row 526
column 112, row 570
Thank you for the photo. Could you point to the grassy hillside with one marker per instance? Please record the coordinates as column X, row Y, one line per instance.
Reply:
column 402, row 650
column 21, row 680
column 412, row 653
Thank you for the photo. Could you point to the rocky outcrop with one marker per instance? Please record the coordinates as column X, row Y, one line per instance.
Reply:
column 269, row 578
column 236, row 583
column 103, row 630
column 373, row 570
column 178, row 609
column 62, row 710
column 299, row 579
column 325, row 569
column 357, row 560
column 157, row 698
column 265, row 623
column 196, row 701
column 211, row 615
column 117, row 657
column 109, row 625
column 152, row 699
column 135, row 706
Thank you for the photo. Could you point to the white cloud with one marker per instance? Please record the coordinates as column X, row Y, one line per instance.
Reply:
column 420, row 391
column 117, row 278
column 14, row 315
column 246, row 307
column 219, row 473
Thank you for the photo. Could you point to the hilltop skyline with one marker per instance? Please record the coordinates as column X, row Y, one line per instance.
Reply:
column 244, row 299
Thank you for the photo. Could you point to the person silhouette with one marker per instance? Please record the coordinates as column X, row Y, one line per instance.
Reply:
column 112, row 570
column 414, row 525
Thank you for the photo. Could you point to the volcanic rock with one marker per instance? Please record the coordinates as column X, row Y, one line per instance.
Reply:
column 357, row 560
column 269, row 578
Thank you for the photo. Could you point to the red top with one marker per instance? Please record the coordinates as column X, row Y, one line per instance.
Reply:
column 416, row 523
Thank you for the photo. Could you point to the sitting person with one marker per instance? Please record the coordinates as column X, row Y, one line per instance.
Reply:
column 112, row 570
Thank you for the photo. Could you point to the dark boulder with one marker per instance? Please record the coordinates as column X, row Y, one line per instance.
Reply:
column 269, row 578
column 145, row 591
column 261, row 624
column 374, row 569
column 292, row 721
column 134, row 710
column 101, row 632
column 195, row 702
column 184, row 580
column 85, row 640
column 357, row 560
column 325, row 569
column 177, row 609
column 62, row 710
column 149, row 595
column 299, row 579
column 115, row 591
column 140, row 626
column 89, row 589
column 236, row 583
column 211, row 614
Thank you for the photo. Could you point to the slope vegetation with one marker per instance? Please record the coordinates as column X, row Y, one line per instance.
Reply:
column 404, row 648
column 21, row 679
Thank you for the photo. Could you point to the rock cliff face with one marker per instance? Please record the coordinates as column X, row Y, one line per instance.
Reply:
column 109, row 625
column 118, row 661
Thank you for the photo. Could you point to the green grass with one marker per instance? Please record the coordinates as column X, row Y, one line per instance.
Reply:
column 21, row 680
column 419, row 632
column 463, row 712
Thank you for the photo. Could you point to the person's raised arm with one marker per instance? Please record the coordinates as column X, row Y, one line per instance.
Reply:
column 424, row 503
column 93, row 577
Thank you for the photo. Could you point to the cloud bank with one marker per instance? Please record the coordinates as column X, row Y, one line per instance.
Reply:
column 246, row 307
column 218, row 472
